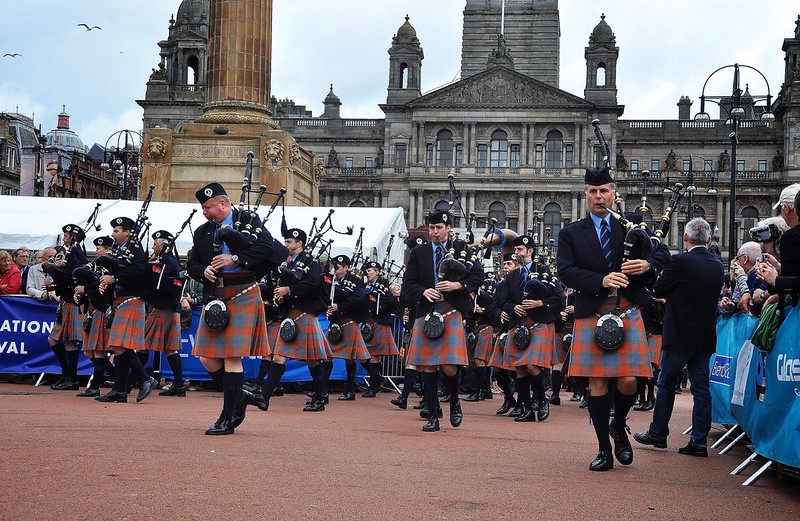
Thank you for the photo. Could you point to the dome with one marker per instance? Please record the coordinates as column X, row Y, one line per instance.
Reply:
column 602, row 33
column 65, row 140
column 332, row 98
column 406, row 33
column 193, row 11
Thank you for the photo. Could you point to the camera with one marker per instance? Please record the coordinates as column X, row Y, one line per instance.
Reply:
column 764, row 233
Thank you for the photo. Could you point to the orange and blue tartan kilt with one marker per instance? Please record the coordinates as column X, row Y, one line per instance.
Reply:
column 559, row 353
column 448, row 349
column 352, row 346
column 97, row 337
column 162, row 330
column 382, row 342
column 483, row 346
column 70, row 329
column 127, row 328
column 273, row 326
column 498, row 358
column 310, row 343
column 540, row 349
column 246, row 333
column 631, row 359
column 654, row 343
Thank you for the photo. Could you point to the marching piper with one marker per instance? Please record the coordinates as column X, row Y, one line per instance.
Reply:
column 378, row 327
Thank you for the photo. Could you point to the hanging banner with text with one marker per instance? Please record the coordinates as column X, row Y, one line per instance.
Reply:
column 732, row 332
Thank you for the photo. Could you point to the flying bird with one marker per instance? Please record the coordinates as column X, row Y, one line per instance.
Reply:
column 12, row 54
column 90, row 28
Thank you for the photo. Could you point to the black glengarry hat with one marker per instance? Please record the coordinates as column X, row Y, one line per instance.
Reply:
column 208, row 191
column 440, row 217
column 126, row 223
column 296, row 234
column 598, row 176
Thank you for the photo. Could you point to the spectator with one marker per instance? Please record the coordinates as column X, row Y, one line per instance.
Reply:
column 10, row 277
column 22, row 257
column 37, row 259
column 747, row 282
column 37, row 281
column 771, row 247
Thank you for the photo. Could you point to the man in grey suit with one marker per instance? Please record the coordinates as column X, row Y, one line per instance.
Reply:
column 691, row 284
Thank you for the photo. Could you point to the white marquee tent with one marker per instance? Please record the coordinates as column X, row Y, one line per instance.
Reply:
column 36, row 222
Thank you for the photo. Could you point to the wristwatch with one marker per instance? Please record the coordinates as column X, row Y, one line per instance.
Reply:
column 235, row 259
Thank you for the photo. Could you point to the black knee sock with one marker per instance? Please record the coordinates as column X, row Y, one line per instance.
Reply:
column 350, row 367
column 430, row 384
column 135, row 365
column 504, row 383
column 216, row 377
column 374, row 370
column 640, row 388
column 72, row 362
column 487, row 379
column 61, row 355
column 317, row 380
column 622, row 406
column 327, row 369
column 97, row 376
column 558, row 380
column 409, row 379
column 599, row 412
column 538, row 388
column 121, row 372
column 453, row 383
column 480, row 378
column 143, row 357
column 651, row 391
column 263, row 369
column 108, row 368
column 231, row 392
column 524, row 391
column 176, row 364
column 274, row 376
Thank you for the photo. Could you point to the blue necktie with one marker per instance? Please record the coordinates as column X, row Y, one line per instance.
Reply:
column 523, row 279
column 605, row 242
column 439, row 257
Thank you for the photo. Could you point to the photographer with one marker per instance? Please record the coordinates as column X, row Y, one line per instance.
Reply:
column 789, row 267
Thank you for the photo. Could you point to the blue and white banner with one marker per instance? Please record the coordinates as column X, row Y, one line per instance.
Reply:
column 732, row 332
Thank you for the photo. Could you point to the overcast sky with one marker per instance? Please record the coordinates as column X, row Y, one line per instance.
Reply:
column 667, row 49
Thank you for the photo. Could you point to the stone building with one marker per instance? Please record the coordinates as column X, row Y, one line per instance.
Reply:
column 516, row 144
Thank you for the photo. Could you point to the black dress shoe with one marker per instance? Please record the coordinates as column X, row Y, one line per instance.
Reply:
column 555, row 400
column 174, row 391
column 425, row 415
column 576, row 397
column 508, row 404
column 58, row 383
column 113, row 397
column 400, row 402
column 146, row 388
column 445, row 398
column 645, row 438
column 456, row 415
column 347, row 396
column 89, row 393
column 315, row 406
column 693, row 450
column 649, row 405
column 544, row 410
column 431, row 426
column 475, row 396
column 604, row 461
column 221, row 428
column 487, row 395
column 516, row 411
column 278, row 391
column 584, row 403
column 528, row 415
column 420, row 405
column 369, row 393
column 639, row 406
column 66, row 385
column 240, row 410
column 622, row 445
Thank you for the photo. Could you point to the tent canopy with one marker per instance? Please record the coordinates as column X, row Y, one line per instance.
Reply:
column 36, row 222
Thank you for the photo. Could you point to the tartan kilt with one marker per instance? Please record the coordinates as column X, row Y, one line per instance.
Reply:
column 498, row 358
column 246, row 333
column 127, row 329
column 631, row 359
column 540, row 349
column 382, row 342
column 71, row 326
column 273, row 326
column 352, row 346
column 559, row 353
column 97, row 337
column 483, row 347
column 448, row 349
column 162, row 330
column 310, row 343
column 654, row 343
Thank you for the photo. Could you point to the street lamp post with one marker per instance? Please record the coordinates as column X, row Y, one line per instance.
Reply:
column 124, row 161
column 735, row 113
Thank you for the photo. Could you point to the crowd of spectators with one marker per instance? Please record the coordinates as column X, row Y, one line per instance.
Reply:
column 20, row 276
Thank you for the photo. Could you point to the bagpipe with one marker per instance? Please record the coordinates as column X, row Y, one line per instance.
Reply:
column 57, row 269
column 157, row 262
column 538, row 286
column 339, row 291
column 119, row 258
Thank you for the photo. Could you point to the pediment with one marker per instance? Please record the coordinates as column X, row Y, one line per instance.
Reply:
column 499, row 87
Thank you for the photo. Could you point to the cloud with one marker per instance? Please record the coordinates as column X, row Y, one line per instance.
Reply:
column 16, row 98
column 103, row 126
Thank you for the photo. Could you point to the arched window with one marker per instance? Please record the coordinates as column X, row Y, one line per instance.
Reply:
column 749, row 219
column 444, row 148
column 497, row 210
column 498, row 149
column 552, row 220
column 193, row 70
column 554, row 145
column 403, row 79
column 601, row 75
column 358, row 204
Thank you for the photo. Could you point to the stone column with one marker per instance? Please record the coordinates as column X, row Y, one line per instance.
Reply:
column 422, row 147
column 523, row 146
column 574, row 210
column 465, row 158
column 529, row 214
column 239, row 62
column 412, row 153
column 473, row 143
column 521, row 218
column 420, row 207
column 719, row 223
column 412, row 208
column 471, row 201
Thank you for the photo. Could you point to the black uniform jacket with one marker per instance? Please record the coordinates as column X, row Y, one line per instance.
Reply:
column 582, row 265
column 348, row 297
column 510, row 295
column 168, row 295
column 308, row 293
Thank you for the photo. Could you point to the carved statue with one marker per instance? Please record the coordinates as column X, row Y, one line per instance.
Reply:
column 724, row 161
column 294, row 153
column 622, row 163
column 273, row 151
column 672, row 161
column 333, row 158
column 777, row 161
column 379, row 157
column 319, row 172
column 160, row 73
column 156, row 148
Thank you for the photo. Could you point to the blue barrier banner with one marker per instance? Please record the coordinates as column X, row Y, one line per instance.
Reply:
column 732, row 331
column 25, row 324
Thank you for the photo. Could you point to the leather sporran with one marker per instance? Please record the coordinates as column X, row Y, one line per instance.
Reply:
column 186, row 318
column 60, row 313
column 367, row 332
column 216, row 315
column 522, row 337
column 609, row 333
column 288, row 330
column 433, row 325
column 335, row 334
column 87, row 322
column 109, row 318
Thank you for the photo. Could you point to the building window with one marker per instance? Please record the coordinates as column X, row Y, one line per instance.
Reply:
column 740, row 165
column 708, row 165
column 429, row 154
column 762, row 165
column 687, row 165
column 11, row 157
column 444, row 148
column 569, row 155
column 368, row 162
column 499, row 149
column 655, row 165
column 537, row 158
column 497, row 210
column 552, row 220
column 749, row 219
column 600, row 77
column 634, row 165
column 348, row 162
column 598, row 153
column 358, row 204
column 400, row 155
column 514, row 156
column 459, row 155
column 483, row 155
column 553, row 149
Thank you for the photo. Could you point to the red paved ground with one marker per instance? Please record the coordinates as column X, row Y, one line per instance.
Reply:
column 64, row 457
